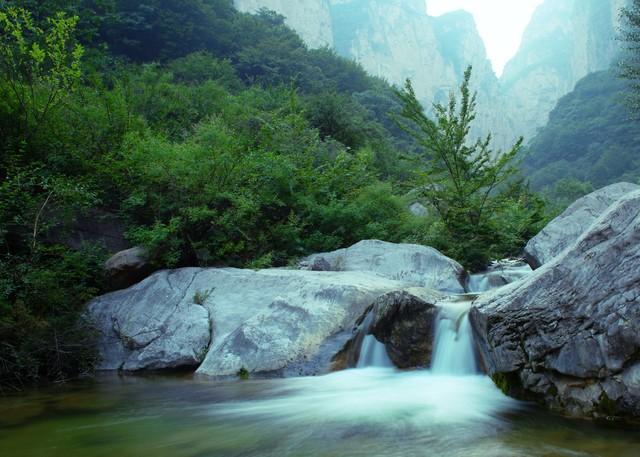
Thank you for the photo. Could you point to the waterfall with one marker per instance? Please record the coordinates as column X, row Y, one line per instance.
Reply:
column 453, row 352
column 373, row 354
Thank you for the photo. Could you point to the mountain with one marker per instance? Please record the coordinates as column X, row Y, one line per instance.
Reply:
column 397, row 39
column 590, row 137
column 310, row 18
column 565, row 41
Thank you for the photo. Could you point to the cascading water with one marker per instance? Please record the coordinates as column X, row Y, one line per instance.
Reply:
column 453, row 352
column 373, row 354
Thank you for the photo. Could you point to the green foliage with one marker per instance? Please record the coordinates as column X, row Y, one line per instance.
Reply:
column 243, row 374
column 201, row 296
column 43, row 335
column 40, row 66
column 219, row 139
column 464, row 181
column 590, row 137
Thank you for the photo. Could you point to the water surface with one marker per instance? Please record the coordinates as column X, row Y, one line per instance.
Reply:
column 368, row 412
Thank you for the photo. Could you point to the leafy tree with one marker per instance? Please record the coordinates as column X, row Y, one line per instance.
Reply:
column 461, row 179
column 41, row 66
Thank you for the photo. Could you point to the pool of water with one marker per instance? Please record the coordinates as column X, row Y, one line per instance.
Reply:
column 367, row 412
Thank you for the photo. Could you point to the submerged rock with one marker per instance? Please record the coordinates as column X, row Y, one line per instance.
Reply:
column 223, row 320
column 565, row 229
column 415, row 265
column 406, row 326
column 568, row 335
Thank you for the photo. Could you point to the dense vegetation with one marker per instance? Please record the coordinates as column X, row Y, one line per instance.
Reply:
column 217, row 137
column 590, row 140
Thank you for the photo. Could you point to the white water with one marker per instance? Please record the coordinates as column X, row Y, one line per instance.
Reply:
column 391, row 402
column 453, row 352
column 373, row 354
column 498, row 275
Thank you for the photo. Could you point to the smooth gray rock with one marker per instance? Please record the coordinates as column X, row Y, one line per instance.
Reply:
column 127, row 267
column 223, row 320
column 565, row 229
column 152, row 325
column 569, row 334
column 418, row 209
column 412, row 264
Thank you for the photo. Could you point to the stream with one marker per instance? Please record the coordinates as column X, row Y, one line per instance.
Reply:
column 373, row 410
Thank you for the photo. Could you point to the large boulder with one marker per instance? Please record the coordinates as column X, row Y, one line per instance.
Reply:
column 565, row 229
column 125, row 268
column 568, row 335
column 403, row 321
column 405, row 324
column 410, row 263
column 224, row 320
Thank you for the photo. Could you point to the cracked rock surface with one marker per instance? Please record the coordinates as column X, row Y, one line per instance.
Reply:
column 568, row 335
column 222, row 320
column 565, row 229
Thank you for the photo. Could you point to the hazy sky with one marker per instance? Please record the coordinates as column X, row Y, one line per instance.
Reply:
column 500, row 23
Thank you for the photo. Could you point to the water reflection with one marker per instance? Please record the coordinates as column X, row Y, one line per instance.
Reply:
column 370, row 412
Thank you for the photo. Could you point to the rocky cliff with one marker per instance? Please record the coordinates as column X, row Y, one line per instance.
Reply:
column 568, row 336
column 310, row 18
column 565, row 41
column 396, row 40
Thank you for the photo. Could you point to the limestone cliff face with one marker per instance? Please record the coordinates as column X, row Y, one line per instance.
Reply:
column 396, row 40
column 310, row 18
column 565, row 41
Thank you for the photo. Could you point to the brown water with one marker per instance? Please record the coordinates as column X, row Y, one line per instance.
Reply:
column 371, row 412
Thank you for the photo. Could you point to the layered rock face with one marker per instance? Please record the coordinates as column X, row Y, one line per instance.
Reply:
column 286, row 322
column 569, row 334
column 310, row 18
column 573, row 222
column 396, row 40
column 565, row 41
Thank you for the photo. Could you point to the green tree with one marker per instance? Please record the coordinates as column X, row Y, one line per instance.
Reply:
column 460, row 178
column 40, row 66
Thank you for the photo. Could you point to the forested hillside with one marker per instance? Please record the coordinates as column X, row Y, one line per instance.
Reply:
column 590, row 141
column 215, row 138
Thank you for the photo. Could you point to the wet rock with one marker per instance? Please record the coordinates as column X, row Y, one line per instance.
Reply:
column 406, row 326
column 404, row 321
column 498, row 274
column 412, row 264
column 568, row 335
column 565, row 229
